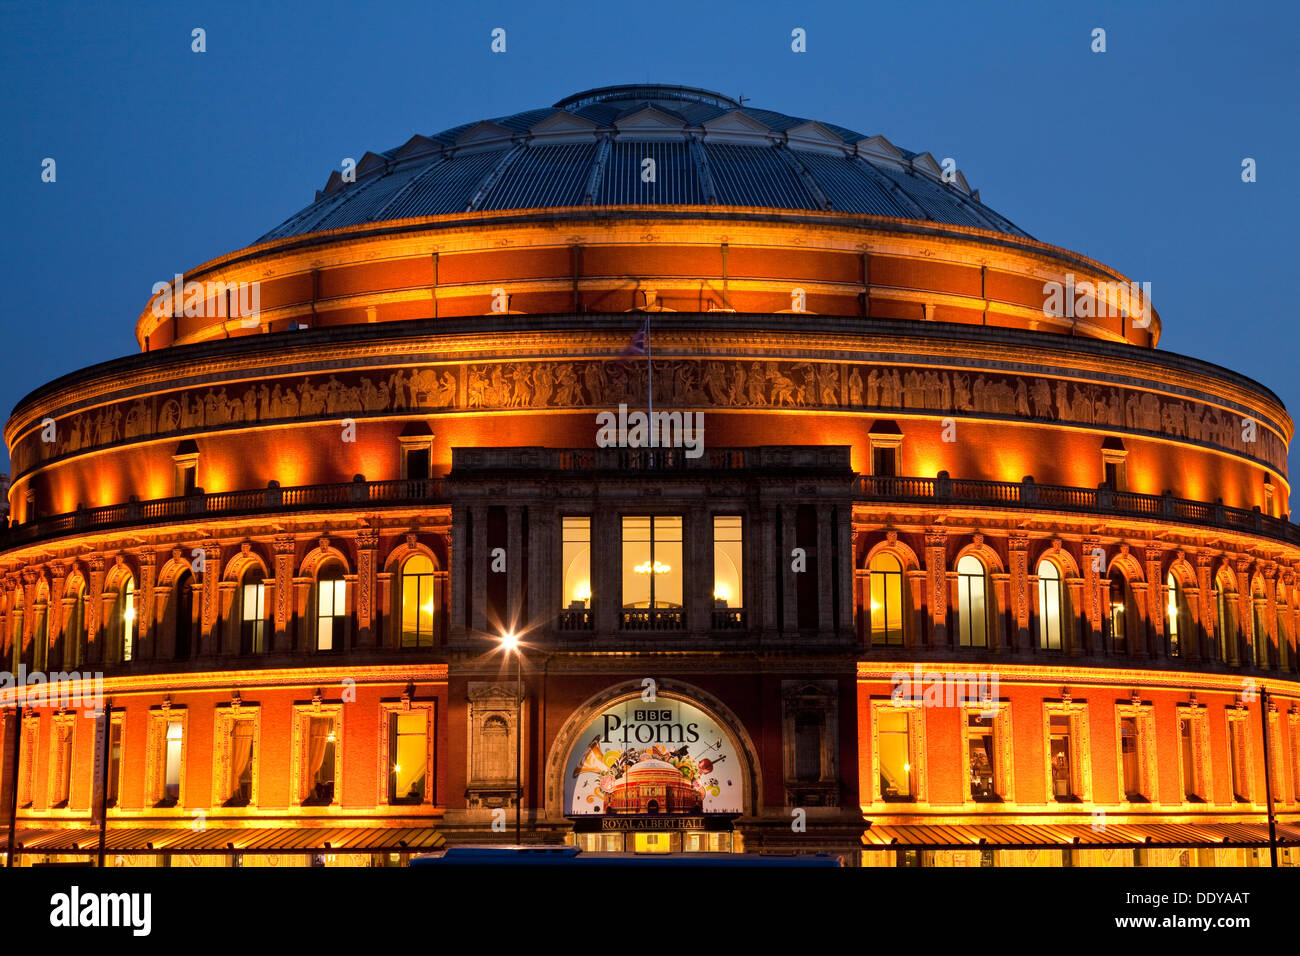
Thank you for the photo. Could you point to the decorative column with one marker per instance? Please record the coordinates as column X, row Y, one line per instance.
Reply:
column 861, row 595
column 1270, row 616
column 94, row 612
column 825, row 573
column 790, row 594
column 1209, row 617
column 479, row 572
column 1092, row 594
column 936, row 577
column 284, row 550
column 770, row 567
column 367, row 553
column 54, row 615
column 456, row 566
column 1245, row 612
column 144, row 612
column 541, row 597
column 209, row 639
column 606, row 571
column 1018, row 551
column 1158, row 600
column 514, row 566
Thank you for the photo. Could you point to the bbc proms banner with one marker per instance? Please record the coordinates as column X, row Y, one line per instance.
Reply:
column 636, row 733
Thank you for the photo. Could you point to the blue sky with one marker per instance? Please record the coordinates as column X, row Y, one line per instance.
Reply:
column 167, row 158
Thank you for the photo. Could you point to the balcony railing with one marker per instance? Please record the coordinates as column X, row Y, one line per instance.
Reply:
column 228, row 504
column 652, row 619
column 1028, row 494
column 729, row 619
column 576, row 619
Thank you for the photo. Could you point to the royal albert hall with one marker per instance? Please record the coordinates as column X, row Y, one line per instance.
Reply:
column 949, row 577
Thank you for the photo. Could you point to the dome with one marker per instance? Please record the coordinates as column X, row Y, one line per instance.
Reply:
column 653, row 786
column 589, row 149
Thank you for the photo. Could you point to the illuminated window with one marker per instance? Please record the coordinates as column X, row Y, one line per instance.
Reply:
column 575, row 533
column 886, row 599
column 121, row 626
column 972, row 610
column 1130, row 759
column 893, row 740
column 1190, row 754
column 1175, row 612
column 653, row 843
column 331, row 608
column 320, row 755
column 173, row 750
column 981, row 752
column 1061, row 758
column 1050, row 606
column 419, row 601
column 408, row 756
column 241, row 763
column 728, row 562
column 252, row 614
column 114, row 762
column 652, row 569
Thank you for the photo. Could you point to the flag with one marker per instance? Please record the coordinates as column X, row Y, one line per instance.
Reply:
column 639, row 344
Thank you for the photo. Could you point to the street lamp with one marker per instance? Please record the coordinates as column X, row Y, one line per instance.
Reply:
column 510, row 645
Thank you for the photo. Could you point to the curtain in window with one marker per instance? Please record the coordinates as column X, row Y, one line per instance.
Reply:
column 317, row 743
column 241, row 753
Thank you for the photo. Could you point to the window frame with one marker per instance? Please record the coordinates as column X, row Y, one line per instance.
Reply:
column 966, row 617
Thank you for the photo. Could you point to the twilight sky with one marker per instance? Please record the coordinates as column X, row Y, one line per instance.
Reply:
column 167, row 158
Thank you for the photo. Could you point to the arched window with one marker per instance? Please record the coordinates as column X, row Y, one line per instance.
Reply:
column 331, row 607
column 1049, row 606
column 1227, row 608
column 252, row 613
column 972, row 604
column 1176, row 614
column 886, row 599
column 1120, row 601
column 419, row 601
column 183, row 616
column 121, row 626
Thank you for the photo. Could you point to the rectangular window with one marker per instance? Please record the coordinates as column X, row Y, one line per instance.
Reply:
column 1130, row 758
column 63, row 768
column 884, row 461
column 728, row 572
column 417, row 463
column 114, row 763
column 332, row 598
column 252, row 633
column 320, row 756
column 173, row 749
column 1061, row 759
column 408, row 751
column 1191, row 772
column 982, row 756
column 808, row 747
column 1237, row 755
column 893, row 739
column 241, row 763
column 653, row 578
column 575, row 562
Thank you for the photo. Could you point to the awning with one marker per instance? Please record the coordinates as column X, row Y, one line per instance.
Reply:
column 1047, row 836
column 225, row 840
